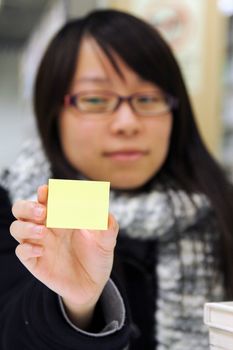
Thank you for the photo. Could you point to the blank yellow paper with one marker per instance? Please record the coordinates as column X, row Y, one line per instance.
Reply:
column 78, row 204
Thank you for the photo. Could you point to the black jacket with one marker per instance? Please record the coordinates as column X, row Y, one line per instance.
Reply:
column 31, row 317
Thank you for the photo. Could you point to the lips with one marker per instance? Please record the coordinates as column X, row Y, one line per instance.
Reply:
column 126, row 155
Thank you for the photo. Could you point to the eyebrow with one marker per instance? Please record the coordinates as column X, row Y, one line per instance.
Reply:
column 106, row 80
column 92, row 79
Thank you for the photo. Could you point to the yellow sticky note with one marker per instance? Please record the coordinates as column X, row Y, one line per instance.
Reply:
column 78, row 204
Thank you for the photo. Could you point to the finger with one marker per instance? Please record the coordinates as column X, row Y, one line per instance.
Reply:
column 42, row 194
column 31, row 211
column 112, row 223
column 22, row 230
column 113, row 227
column 27, row 251
column 107, row 238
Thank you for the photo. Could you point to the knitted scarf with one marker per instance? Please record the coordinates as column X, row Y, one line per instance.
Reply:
column 184, row 228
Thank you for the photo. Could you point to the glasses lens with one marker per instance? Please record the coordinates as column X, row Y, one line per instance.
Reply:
column 96, row 102
column 150, row 104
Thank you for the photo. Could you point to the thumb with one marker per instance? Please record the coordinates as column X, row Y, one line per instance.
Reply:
column 42, row 194
column 109, row 236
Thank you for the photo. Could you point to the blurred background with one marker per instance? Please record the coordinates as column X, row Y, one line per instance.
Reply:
column 199, row 31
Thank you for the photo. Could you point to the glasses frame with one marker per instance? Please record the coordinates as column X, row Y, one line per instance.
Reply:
column 70, row 100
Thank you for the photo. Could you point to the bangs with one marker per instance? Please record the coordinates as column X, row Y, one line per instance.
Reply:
column 153, row 62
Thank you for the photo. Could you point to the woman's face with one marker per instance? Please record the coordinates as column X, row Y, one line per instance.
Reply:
column 122, row 147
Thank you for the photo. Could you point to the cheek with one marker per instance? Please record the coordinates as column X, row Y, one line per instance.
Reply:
column 161, row 132
column 77, row 135
column 161, row 141
column 68, row 134
column 167, row 134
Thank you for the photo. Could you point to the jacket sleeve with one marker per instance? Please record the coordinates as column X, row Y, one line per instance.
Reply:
column 33, row 317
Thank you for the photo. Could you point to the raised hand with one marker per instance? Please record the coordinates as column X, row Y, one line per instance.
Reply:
column 75, row 264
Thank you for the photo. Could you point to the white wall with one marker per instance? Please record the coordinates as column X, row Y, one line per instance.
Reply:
column 16, row 121
column 16, row 116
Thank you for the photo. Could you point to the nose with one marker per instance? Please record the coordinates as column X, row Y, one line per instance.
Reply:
column 125, row 121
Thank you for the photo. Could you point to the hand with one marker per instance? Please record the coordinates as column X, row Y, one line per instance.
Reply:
column 75, row 264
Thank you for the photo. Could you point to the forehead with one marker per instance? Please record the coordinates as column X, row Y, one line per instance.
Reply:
column 93, row 66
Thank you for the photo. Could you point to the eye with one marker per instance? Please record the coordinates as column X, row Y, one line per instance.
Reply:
column 95, row 103
column 94, row 100
column 148, row 99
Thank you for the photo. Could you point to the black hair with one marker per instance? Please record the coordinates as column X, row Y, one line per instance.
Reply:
column 143, row 49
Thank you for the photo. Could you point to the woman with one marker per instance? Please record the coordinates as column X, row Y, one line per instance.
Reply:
column 111, row 104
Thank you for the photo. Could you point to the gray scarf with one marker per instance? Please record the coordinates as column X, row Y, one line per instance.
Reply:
column 185, row 229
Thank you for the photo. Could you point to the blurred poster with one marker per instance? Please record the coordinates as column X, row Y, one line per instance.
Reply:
column 181, row 22
column 53, row 19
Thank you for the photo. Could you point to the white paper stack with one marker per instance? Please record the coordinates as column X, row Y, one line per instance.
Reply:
column 219, row 318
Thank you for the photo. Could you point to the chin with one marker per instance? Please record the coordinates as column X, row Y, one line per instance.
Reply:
column 128, row 185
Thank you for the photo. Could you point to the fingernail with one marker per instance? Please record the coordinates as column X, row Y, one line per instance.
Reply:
column 112, row 224
column 39, row 211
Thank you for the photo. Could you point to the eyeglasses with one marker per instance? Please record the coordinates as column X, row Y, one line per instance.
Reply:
column 103, row 102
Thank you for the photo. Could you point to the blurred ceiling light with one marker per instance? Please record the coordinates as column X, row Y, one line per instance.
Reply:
column 226, row 7
column 1, row 4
